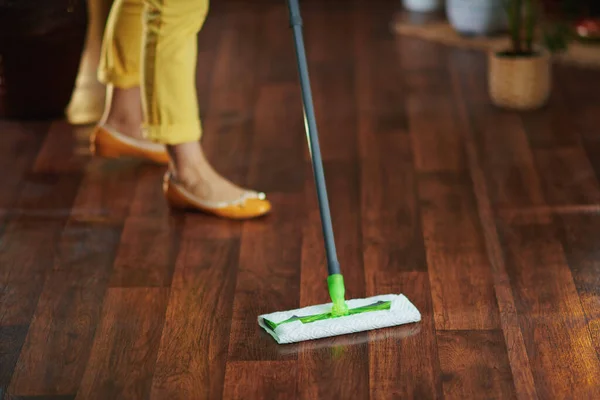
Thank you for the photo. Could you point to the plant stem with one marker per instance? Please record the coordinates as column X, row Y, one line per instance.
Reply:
column 516, row 26
column 529, row 25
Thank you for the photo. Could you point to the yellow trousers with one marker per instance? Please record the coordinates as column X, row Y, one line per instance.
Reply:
column 152, row 44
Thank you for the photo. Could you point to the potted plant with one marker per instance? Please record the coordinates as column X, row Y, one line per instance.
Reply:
column 519, row 77
column 423, row 5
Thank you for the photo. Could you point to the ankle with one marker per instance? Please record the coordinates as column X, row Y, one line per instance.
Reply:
column 123, row 111
column 185, row 176
column 124, row 124
column 186, row 157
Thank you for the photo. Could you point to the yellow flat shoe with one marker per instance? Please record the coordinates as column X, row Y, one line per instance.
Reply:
column 105, row 142
column 250, row 205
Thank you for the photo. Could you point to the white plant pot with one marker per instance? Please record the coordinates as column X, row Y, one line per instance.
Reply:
column 423, row 5
column 477, row 17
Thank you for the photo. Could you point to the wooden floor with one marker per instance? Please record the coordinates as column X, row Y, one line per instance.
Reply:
column 488, row 220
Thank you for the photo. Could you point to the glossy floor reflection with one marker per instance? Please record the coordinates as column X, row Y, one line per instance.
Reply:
column 487, row 220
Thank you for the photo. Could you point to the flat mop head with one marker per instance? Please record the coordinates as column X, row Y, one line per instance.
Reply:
column 323, row 320
column 385, row 311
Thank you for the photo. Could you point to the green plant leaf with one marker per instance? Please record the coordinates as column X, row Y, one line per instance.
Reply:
column 556, row 37
column 526, row 21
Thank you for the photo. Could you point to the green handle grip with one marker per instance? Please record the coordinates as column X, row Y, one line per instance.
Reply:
column 337, row 292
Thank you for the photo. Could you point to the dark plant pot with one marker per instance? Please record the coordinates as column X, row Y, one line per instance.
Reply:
column 41, row 43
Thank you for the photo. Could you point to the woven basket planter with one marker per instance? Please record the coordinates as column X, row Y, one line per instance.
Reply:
column 519, row 83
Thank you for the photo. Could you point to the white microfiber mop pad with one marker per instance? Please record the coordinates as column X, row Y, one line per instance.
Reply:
column 401, row 311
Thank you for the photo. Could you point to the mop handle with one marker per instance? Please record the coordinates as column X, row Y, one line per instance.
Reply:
column 310, row 124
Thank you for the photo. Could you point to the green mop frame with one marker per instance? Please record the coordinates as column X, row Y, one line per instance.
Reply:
column 335, row 280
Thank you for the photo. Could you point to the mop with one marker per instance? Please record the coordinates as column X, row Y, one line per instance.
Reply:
column 340, row 316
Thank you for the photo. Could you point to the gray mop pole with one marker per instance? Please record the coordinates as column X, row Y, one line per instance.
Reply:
column 310, row 123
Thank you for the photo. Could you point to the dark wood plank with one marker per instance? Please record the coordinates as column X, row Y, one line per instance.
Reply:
column 26, row 256
column 268, row 278
column 331, row 64
column 40, row 207
column 579, row 87
column 106, row 191
column 12, row 338
column 561, row 189
column 430, row 55
column 551, row 127
column 148, row 185
column 507, row 160
column 24, row 267
column 513, row 337
column 277, row 63
column 584, row 119
column 195, row 340
column 50, row 186
column 403, row 360
column 261, row 380
column 122, row 359
column 227, row 139
column 592, row 146
column 209, row 44
column 324, row 372
column 149, row 241
column 434, row 131
column 65, row 149
column 568, row 177
column 380, row 83
column 498, row 136
column 62, row 330
column 19, row 145
column 91, row 224
column 462, row 285
column 232, row 93
column 579, row 237
column 551, row 315
column 42, row 397
column 47, row 196
column 323, row 43
column 20, row 141
column 475, row 365
column 429, row 108
column 391, row 225
column 147, row 253
column 276, row 161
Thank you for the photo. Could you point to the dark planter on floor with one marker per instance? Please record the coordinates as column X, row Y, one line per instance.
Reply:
column 41, row 43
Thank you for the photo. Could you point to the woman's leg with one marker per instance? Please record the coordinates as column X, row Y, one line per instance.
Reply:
column 149, row 57
column 119, row 68
column 170, row 101
column 170, row 54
